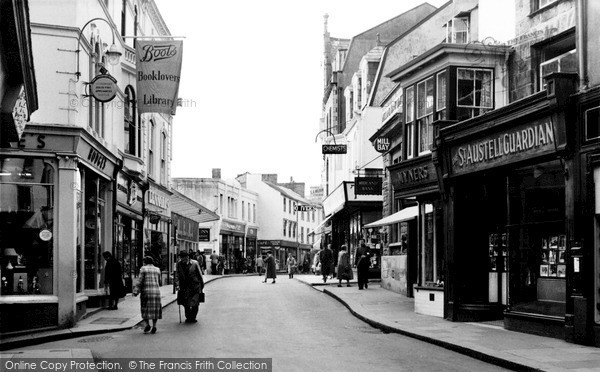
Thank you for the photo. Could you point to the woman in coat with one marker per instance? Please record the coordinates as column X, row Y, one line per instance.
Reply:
column 271, row 268
column 149, row 290
column 291, row 265
column 344, row 270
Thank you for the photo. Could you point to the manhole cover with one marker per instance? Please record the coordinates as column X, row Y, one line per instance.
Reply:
column 109, row 321
column 96, row 339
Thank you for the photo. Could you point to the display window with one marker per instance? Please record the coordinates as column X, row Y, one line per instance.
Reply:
column 127, row 249
column 26, row 225
column 94, row 210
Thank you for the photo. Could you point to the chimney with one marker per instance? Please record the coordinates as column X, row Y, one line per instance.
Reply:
column 271, row 177
column 216, row 173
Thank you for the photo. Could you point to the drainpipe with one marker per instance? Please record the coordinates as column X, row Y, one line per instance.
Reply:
column 581, row 28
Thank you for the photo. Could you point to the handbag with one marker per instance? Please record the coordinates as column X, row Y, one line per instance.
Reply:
column 201, row 298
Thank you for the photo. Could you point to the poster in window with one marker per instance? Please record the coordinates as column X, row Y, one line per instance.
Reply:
column 504, row 240
column 544, row 256
column 562, row 270
column 553, row 243
column 552, row 256
column 544, row 270
column 561, row 256
column 553, row 270
column 562, row 242
column 544, row 243
column 492, row 264
column 492, row 239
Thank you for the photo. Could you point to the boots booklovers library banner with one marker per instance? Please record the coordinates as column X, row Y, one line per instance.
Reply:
column 158, row 75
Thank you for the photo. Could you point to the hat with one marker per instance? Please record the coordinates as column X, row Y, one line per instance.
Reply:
column 183, row 254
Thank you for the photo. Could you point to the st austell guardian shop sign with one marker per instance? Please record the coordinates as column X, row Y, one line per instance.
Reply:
column 158, row 75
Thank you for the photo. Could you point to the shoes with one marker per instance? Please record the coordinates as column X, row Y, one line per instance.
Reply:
column 153, row 331
column 115, row 307
column 273, row 282
column 339, row 285
column 264, row 281
column 348, row 285
column 366, row 286
column 360, row 289
column 147, row 329
column 191, row 321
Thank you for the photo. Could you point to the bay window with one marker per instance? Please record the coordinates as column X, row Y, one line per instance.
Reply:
column 425, row 114
column 410, row 131
column 473, row 92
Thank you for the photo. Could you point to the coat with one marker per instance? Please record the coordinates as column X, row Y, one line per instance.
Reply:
column 191, row 283
column 291, row 264
column 271, row 268
column 149, row 289
column 326, row 259
column 112, row 278
column 344, row 269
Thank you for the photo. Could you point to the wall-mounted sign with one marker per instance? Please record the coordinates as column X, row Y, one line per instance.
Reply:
column 382, row 144
column 305, row 208
column 45, row 235
column 368, row 185
column 103, row 88
column 158, row 200
column 518, row 143
column 203, row 235
column 334, row 149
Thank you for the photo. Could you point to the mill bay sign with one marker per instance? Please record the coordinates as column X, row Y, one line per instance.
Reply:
column 521, row 142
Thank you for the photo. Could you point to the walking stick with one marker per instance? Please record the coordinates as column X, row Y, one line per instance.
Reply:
column 179, row 307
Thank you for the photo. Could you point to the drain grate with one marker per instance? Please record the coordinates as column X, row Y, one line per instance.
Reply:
column 109, row 321
column 96, row 339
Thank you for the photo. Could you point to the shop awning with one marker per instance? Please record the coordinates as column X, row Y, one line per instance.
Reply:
column 321, row 227
column 403, row 215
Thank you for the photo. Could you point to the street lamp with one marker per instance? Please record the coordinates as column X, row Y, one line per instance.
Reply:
column 113, row 55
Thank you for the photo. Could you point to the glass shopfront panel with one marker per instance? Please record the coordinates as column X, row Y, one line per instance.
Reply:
column 26, row 222
column 95, row 209
column 127, row 248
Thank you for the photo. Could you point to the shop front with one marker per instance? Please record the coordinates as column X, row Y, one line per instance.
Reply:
column 232, row 245
column 509, row 207
column 50, row 173
column 273, row 246
column 129, row 219
column 251, row 251
column 157, row 229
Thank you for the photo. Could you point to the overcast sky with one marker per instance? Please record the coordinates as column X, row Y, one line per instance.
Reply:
column 252, row 81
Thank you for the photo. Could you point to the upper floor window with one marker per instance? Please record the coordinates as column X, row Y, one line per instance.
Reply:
column 539, row 4
column 441, row 89
column 163, row 157
column 151, row 148
column 457, row 30
column 284, row 228
column 425, row 114
column 592, row 123
column 410, row 125
column 243, row 210
column 284, row 204
column 130, row 122
column 473, row 92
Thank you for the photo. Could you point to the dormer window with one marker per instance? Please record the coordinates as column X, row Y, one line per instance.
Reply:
column 457, row 30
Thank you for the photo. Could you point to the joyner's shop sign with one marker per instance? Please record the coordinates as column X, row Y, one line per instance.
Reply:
column 525, row 141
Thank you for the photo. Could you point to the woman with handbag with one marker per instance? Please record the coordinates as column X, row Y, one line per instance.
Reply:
column 149, row 289
column 344, row 270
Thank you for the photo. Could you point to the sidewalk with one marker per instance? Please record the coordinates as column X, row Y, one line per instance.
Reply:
column 392, row 312
column 97, row 321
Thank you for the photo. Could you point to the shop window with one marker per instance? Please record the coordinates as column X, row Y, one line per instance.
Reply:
column 592, row 123
column 26, row 226
column 425, row 114
column 95, row 190
column 473, row 92
column 457, row 30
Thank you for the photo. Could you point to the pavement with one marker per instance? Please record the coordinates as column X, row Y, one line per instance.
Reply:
column 379, row 307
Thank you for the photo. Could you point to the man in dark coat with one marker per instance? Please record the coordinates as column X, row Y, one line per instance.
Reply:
column 363, row 262
column 326, row 259
column 271, row 267
column 113, row 281
column 190, row 284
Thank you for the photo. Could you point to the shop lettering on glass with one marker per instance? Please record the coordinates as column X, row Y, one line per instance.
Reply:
column 97, row 159
column 231, row 226
column 529, row 139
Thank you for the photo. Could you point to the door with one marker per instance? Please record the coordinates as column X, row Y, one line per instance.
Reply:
column 498, row 268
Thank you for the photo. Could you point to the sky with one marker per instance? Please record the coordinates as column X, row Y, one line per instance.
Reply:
column 252, row 84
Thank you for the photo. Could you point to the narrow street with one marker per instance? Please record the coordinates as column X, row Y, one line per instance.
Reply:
column 301, row 328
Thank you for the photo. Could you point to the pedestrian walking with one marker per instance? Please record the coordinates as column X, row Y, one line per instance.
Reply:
column 291, row 265
column 201, row 262
column 271, row 268
column 214, row 260
column 344, row 269
column 148, row 288
column 113, row 281
column 190, row 284
column 326, row 259
column 221, row 265
column 363, row 262
column 259, row 265
column 317, row 264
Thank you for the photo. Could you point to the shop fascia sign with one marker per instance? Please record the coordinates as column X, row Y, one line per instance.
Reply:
column 268, row 243
column 158, row 200
column 232, row 226
column 518, row 143
column 334, row 149
column 368, row 185
column 305, row 208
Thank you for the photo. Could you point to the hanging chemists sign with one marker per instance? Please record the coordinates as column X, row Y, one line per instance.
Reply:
column 518, row 143
column 158, row 74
